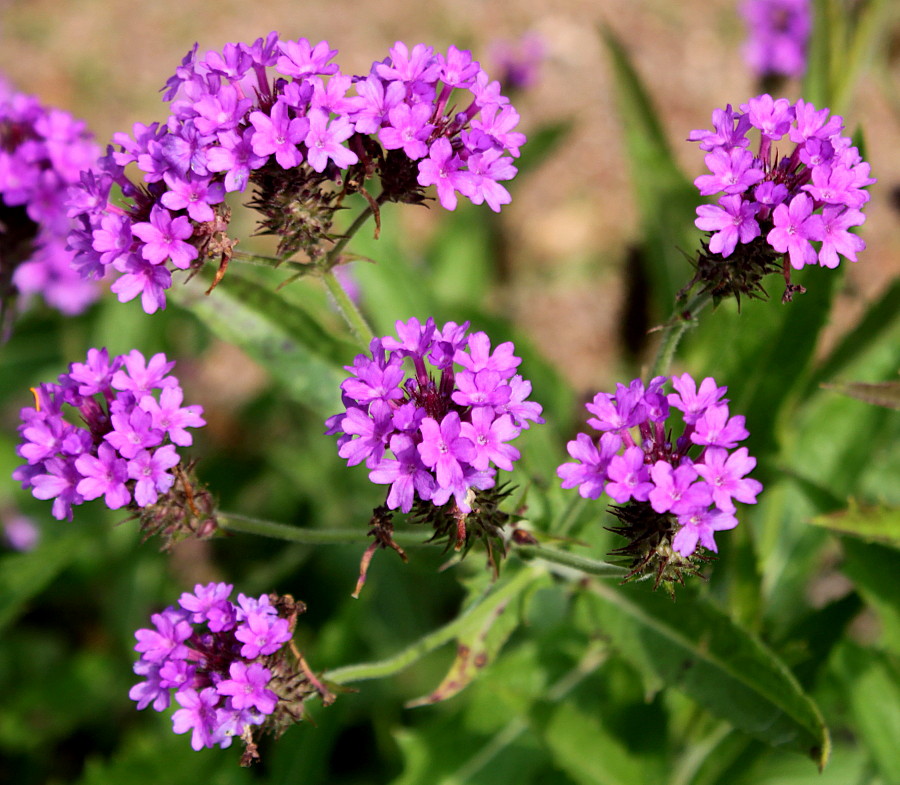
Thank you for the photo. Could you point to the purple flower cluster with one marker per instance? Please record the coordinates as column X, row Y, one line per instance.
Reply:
column 42, row 153
column 777, row 36
column 233, row 123
column 134, row 419
column 439, row 432
column 213, row 654
column 811, row 193
column 696, row 480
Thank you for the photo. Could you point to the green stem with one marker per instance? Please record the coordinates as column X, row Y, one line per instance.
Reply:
column 269, row 261
column 332, row 256
column 434, row 640
column 675, row 328
column 352, row 315
column 566, row 559
column 281, row 531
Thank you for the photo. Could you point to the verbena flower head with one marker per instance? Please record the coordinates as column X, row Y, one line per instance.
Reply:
column 43, row 151
column 432, row 414
column 777, row 36
column 518, row 62
column 109, row 428
column 280, row 117
column 671, row 496
column 791, row 194
column 230, row 666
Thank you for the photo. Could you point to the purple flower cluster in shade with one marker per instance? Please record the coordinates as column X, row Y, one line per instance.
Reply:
column 133, row 419
column 42, row 153
column 696, row 479
column 283, row 105
column 432, row 413
column 803, row 184
column 777, row 36
column 212, row 654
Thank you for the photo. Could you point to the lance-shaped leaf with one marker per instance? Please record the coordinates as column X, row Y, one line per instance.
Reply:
column 286, row 341
column 885, row 394
column 480, row 639
column 695, row 647
column 872, row 523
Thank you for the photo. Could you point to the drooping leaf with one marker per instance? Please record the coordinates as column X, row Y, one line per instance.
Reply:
column 693, row 646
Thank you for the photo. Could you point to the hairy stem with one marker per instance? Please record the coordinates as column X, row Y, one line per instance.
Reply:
column 566, row 559
column 674, row 330
column 282, row 531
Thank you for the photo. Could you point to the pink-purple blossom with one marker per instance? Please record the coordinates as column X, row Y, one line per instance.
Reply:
column 695, row 478
column 441, row 431
column 801, row 188
column 132, row 418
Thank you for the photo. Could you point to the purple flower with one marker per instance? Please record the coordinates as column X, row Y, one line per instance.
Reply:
column 725, row 476
column 223, row 686
column 440, row 432
column 113, row 455
column 170, row 417
column 43, row 152
column 280, row 134
column 198, row 715
column 164, row 238
column 442, row 449
column 104, row 475
column 693, row 478
column 809, row 193
column 407, row 475
column 323, row 141
column 791, row 232
column 262, row 633
column 443, row 168
column 247, row 687
column 777, row 36
column 167, row 640
column 732, row 172
column 734, row 220
column 831, row 229
column 409, row 130
column 151, row 475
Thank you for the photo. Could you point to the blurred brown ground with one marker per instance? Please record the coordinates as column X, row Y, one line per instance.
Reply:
column 570, row 222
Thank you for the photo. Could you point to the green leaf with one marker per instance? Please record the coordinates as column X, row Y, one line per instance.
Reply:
column 281, row 337
column 877, row 325
column 872, row 687
column 583, row 748
column 693, row 646
column 24, row 575
column 480, row 639
column 871, row 523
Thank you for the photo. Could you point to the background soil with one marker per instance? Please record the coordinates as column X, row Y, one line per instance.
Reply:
column 571, row 220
